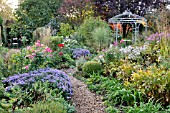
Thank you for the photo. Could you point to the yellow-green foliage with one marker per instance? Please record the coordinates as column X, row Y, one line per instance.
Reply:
column 91, row 66
column 125, row 70
column 154, row 81
column 65, row 29
column 48, row 107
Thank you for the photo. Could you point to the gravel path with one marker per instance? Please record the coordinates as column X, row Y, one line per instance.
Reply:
column 85, row 101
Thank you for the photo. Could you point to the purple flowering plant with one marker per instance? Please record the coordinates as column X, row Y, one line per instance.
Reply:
column 79, row 52
column 56, row 79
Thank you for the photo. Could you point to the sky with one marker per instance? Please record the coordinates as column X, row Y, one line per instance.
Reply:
column 13, row 3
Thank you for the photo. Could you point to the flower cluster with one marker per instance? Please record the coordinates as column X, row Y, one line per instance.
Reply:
column 133, row 52
column 116, row 43
column 35, row 51
column 54, row 76
column 157, row 36
column 70, row 42
column 79, row 52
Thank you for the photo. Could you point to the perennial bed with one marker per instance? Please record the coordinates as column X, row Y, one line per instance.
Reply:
column 56, row 78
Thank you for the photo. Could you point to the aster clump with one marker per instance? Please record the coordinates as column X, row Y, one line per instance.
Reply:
column 57, row 79
column 79, row 52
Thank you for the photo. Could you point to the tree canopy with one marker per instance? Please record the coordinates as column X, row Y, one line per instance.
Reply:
column 109, row 8
column 37, row 13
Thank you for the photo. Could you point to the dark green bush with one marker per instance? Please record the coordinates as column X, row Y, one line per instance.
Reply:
column 91, row 66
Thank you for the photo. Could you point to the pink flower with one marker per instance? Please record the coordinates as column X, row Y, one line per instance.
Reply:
column 121, row 41
column 47, row 49
column 29, row 47
column 31, row 56
column 115, row 44
column 27, row 67
column 34, row 54
column 50, row 55
column 38, row 43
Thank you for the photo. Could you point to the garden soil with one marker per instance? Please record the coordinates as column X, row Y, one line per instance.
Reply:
column 84, row 100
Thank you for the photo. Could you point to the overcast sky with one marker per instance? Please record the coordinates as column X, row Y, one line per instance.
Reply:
column 14, row 3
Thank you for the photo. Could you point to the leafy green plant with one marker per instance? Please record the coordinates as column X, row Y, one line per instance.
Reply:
column 86, row 29
column 47, row 107
column 65, row 29
column 102, row 37
column 55, row 40
column 91, row 66
column 113, row 91
column 153, row 81
column 150, row 107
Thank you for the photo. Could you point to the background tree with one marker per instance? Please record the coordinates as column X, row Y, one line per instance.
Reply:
column 75, row 11
column 37, row 13
column 5, row 10
column 110, row 8
column 32, row 14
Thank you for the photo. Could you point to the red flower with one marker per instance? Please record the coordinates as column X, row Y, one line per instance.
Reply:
column 60, row 45
column 60, row 53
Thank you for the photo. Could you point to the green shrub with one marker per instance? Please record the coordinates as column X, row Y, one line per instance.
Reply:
column 91, row 66
column 89, row 25
column 65, row 29
column 102, row 37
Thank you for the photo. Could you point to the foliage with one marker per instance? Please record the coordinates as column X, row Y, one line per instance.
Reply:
column 54, row 41
column 8, row 67
column 89, row 25
column 149, row 107
column 65, row 29
column 48, row 107
column 56, row 106
column 154, row 81
column 32, row 14
column 113, row 91
column 57, row 78
column 67, row 61
column 91, row 66
column 160, row 41
column 35, row 13
column 75, row 11
column 102, row 37
column 106, row 9
column 19, row 98
column 80, row 62
column 1, row 20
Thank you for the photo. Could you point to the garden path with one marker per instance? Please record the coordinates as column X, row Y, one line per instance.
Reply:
column 84, row 100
